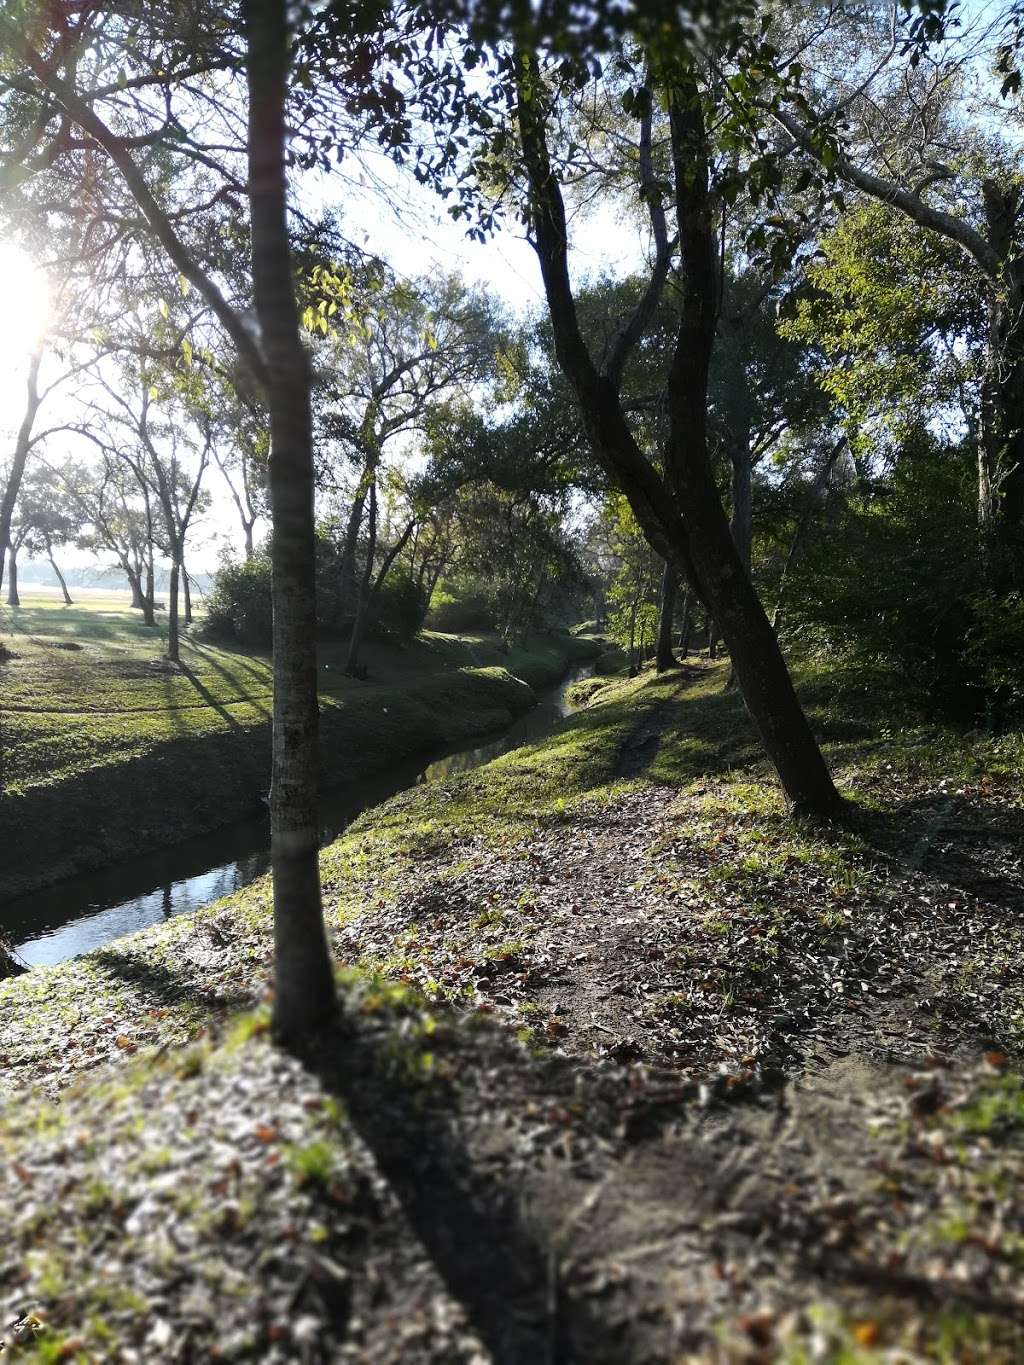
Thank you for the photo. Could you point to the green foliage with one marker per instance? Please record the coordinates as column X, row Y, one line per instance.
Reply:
column 888, row 584
column 398, row 608
column 895, row 314
column 460, row 605
column 239, row 604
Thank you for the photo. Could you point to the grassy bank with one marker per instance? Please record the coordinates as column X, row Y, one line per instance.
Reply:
column 740, row 1090
column 106, row 749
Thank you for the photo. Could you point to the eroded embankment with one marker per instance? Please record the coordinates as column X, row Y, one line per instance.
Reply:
column 203, row 778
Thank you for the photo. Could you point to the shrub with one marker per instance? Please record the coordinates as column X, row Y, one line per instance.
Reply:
column 457, row 610
column 239, row 605
column 398, row 608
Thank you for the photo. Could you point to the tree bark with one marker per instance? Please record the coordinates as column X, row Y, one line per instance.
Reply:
column 681, row 513
column 304, row 982
column 188, row 594
column 62, row 581
column 173, row 651
column 669, row 592
column 149, row 596
column 362, row 601
column 21, row 449
column 687, row 626
column 756, row 657
column 13, row 600
column 137, row 598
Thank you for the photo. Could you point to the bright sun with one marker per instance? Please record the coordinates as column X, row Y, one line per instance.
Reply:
column 25, row 309
column 24, row 304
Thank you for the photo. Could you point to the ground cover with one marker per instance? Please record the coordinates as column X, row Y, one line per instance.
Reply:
column 106, row 748
column 633, row 1070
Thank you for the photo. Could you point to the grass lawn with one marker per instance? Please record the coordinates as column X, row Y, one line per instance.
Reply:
column 103, row 741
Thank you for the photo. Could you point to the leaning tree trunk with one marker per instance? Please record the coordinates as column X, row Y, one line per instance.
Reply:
column 21, row 449
column 62, row 581
column 756, row 657
column 173, row 649
column 680, row 513
column 669, row 592
column 362, row 602
column 304, row 993
column 13, row 600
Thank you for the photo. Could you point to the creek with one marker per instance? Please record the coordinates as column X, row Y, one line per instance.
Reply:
column 84, row 912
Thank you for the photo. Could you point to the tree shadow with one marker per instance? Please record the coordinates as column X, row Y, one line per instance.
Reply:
column 970, row 845
column 155, row 981
column 218, row 706
column 467, row 1214
column 209, row 657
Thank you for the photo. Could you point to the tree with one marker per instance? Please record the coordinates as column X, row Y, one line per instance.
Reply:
column 275, row 360
column 899, row 154
column 407, row 350
column 114, row 514
column 45, row 521
column 679, row 510
column 305, row 993
column 16, row 472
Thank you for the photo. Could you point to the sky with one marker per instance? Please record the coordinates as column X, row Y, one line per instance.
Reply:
column 418, row 238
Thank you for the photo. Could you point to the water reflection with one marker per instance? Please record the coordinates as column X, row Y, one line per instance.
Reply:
column 84, row 912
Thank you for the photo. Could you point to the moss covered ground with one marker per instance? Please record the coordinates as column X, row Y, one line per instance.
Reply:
column 632, row 1069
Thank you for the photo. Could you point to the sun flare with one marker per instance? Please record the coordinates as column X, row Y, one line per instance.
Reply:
column 25, row 305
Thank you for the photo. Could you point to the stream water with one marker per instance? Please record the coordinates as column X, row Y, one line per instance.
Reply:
column 84, row 912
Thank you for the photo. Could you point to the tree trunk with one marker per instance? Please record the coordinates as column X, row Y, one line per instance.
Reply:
column 172, row 613
column 21, row 449
column 391, row 556
column 247, row 530
column 681, row 512
column 669, row 592
column 133, row 582
column 149, row 597
column 61, row 580
column 13, row 600
column 687, row 627
column 304, row 982
column 347, row 576
column 712, row 637
column 188, row 594
column 359, row 621
column 760, row 668
column 1001, row 451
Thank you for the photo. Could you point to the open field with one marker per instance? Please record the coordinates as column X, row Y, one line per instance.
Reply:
column 101, row 739
column 742, row 1091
